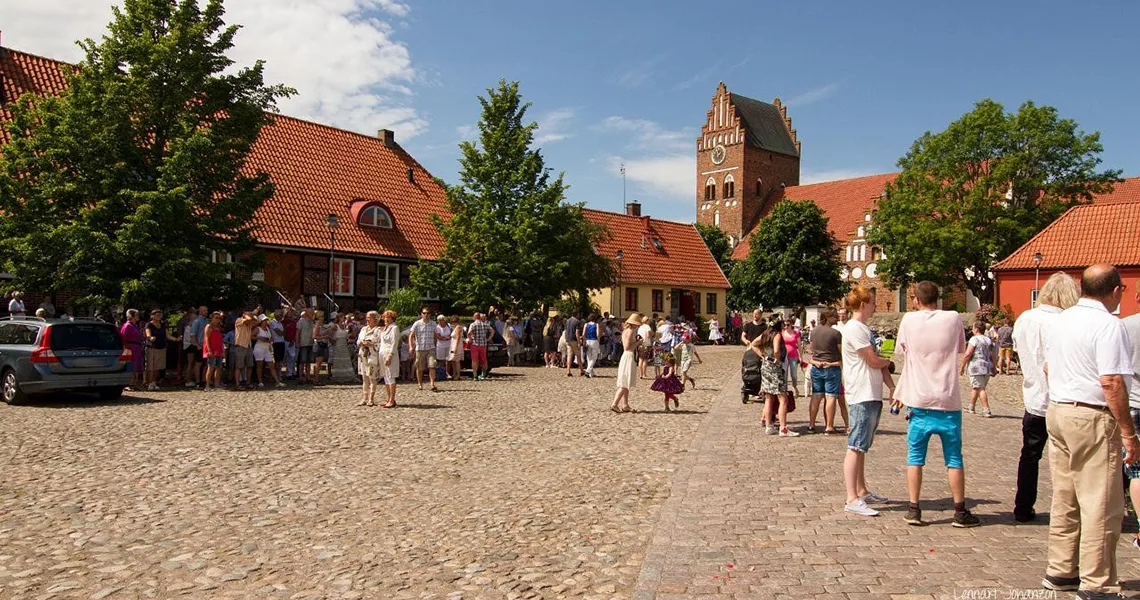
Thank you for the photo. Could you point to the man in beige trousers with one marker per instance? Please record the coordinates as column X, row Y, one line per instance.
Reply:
column 1087, row 362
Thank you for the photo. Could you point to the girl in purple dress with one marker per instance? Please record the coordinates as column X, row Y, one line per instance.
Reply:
column 132, row 340
column 667, row 382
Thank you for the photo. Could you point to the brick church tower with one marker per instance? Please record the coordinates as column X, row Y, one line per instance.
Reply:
column 746, row 155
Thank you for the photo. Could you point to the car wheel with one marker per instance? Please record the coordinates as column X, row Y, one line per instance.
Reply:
column 111, row 393
column 10, row 388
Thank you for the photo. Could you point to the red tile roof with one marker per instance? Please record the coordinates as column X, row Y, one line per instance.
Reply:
column 1124, row 191
column 845, row 202
column 317, row 170
column 21, row 72
column 682, row 260
column 1085, row 235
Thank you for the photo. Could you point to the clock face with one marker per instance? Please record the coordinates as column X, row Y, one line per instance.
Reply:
column 718, row 155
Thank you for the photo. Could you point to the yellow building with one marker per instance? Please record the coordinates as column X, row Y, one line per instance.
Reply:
column 664, row 268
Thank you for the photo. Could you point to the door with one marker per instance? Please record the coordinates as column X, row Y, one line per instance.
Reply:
column 688, row 305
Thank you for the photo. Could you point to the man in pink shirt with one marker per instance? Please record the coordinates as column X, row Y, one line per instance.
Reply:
column 929, row 342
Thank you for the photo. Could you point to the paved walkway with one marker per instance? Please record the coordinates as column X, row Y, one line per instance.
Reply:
column 753, row 516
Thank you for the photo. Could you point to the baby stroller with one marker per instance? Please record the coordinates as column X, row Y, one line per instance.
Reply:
column 749, row 376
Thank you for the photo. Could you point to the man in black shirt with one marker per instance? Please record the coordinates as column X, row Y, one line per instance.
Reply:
column 752, row 329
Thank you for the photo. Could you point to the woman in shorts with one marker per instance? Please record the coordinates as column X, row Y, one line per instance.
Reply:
column 263, row 351
column 213, row 350
column 978, row 363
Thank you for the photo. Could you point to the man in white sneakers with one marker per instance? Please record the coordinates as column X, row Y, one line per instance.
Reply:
column 864, row 375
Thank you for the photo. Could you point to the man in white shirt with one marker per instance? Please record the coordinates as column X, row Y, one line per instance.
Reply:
column 1132, row 472
column 1031, row 335
column 1088, row 364
column 864, row 375
column 442, row 344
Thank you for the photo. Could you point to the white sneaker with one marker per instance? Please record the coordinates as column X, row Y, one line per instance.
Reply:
column 261, row 385
column 191, row 384
column 152, row 388
column 770, row 430
column 860, row 508
column 785, row 432
column 873, row 498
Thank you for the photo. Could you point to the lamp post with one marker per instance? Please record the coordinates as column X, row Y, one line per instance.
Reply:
column 1036, row 276
column 333, row 223
column 620, row 256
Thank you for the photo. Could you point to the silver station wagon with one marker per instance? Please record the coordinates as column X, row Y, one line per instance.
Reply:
column 42, row 356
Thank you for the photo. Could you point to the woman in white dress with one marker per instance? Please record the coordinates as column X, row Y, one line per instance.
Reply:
column 627, row 367
column 390, row 355
column 455, row 357
column 368, row 351
column 714, row 331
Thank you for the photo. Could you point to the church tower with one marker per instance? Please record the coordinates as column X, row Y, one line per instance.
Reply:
column 746, row 155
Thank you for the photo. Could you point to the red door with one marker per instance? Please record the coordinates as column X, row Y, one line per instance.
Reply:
column 688, row 305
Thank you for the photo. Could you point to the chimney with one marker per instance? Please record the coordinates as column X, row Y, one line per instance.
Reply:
column 645, row 222
column 633, row 209
column 388, row 137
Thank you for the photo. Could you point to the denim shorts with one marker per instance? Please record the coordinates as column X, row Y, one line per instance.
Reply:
column 826, row 381
column 864, row 423
column 214, row 362
column 924, row 423
column 1132, row 471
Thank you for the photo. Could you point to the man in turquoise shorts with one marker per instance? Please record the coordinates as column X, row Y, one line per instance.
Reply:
column 928, row 345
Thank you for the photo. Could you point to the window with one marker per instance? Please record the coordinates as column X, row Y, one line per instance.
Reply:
column 710, row 189
column 375, row 216
column 222, row 257
column 387, row 279
column 658, row 301
column 631, row 299
column 759, row 187
column 1033, row 298
column 716, row 218
column 342, row 272
column 729, row 186
column 710, row 303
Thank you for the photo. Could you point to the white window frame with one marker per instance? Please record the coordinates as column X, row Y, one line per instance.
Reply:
column 375, row 210
column 351, row 276
column 227, row 259
column 382, row 278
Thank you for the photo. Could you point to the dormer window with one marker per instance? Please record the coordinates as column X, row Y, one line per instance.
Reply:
column 375, row 216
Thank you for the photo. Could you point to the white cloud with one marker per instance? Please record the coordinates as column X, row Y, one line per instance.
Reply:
column 554, row 126
column 669, row 175
column 810, row 176
column 637, row 76
column 339, row 54
column 466, row 132
column 648, row 135
column 813, row 96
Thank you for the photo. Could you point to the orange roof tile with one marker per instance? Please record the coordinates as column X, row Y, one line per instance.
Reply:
column 316, row 170
column 845, row 202
column 682, row 259
column 1084, row 235
column 1124, row 191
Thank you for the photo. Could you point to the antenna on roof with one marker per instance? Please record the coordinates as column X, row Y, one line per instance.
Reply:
column 623, row 203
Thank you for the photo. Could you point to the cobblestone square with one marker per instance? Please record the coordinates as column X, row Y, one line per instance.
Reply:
column 523, row 486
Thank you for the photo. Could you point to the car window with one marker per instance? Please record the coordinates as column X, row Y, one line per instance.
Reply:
column 85, row 336
column 5, row 333
column 23, row 334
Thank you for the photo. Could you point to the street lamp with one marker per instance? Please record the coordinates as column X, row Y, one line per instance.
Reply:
column 1036, row 276
column 333, row 223
column 620, row 256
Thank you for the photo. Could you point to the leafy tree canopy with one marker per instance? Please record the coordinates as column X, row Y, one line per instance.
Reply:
column 972, row 194
column 512, row 240
column 793, row 260
column 718, row 245
column 125, row 185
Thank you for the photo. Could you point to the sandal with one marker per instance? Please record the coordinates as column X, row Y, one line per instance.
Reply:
column 362, row 403
column 830, row 431
column 615, row 409
column 388, row 405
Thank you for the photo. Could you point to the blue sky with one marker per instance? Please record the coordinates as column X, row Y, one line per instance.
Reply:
column 615, row 82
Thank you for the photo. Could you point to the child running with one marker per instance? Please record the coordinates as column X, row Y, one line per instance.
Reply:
column 667, row 382
column 684, row 353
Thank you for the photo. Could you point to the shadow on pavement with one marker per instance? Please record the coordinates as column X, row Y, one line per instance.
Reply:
column 424, row 406
column 86, row 401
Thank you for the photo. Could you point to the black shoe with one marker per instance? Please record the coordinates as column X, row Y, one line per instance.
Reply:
column 1089, row 595
column 1024, row 517
column 914, row 517
column 965, row 519
column 1061, row 584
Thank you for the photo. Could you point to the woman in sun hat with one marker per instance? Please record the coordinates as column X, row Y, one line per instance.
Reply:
column 627, row 367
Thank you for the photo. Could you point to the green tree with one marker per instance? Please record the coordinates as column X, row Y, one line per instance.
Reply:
column 793, row 260
column 125, row 185
column 512, row 240
column 717, row 242
column 972, row 194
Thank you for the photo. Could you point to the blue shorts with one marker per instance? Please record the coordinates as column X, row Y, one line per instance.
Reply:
column 214, row 361
column 924, row 423
column 827, row 381
column 1132, row 471
column 864, row 423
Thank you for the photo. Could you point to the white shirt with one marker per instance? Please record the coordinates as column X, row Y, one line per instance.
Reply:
column 443, row 347
column 860, row 382
column 1132, row 326
column 645, row 332
column 16, row 308
column 1031, row 336
column 1086, row 344
column 665, row 332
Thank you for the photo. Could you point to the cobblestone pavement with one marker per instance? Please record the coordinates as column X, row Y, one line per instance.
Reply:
column 758, row 517
column 522, row 486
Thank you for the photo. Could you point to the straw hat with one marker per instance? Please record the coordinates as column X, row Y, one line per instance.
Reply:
column 635, row 319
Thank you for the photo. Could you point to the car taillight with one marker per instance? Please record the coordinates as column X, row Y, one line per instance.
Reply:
column 43, row 353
